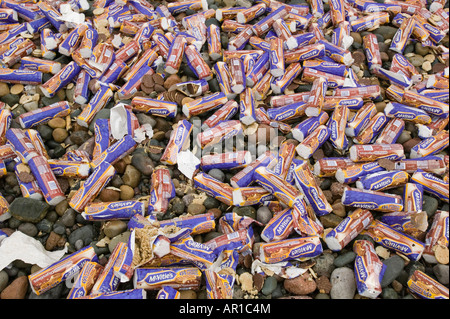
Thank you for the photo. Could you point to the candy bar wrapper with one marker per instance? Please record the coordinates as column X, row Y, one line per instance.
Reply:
column 85, row 281
column 60, row 79
column 168, row 292
column 279, row 226
column 277, row 186
column 425, row 287
column 121, row 294
column 180, row 278
column 306, row 182
column 4, row 211
column 391, row 132
column 337, row 124
column 7, row 152
column 395, row 240
column 372, row 200
column 370, row 132
column 369, row 270
column 30, row 189
column 20, row 144
column 429, row 105
column 411, row 223
column 302, row 248
column 232, row 222
column 162, row 190
column 226, row 112
column 354, row 171
column 245, row 177
column 221, row 191
column 436, row 236
column 201, row 255
column 109, row 278
column 47, row 278
column 102, row 133
column 97, row 102
column 383, row 180
column 45, row 114
column 204, row 104
column 197, row 224
column 328, row 166
column 431, row 145
column 154, row 107
column 361, row 119
column 306, row 223
column 219, row 286
column 432, row 184
column 92, row 186
column 370, row 153
column 113, row 210
column 222, row 131
column 46, row 180
column 413, row 197
column 69, row 168
column 313, row 141
column 37, row 142
column 247, row 196
column 241, row 240
column 348, row 229
column 429, row 164
column 306, row 127
column 115, row 152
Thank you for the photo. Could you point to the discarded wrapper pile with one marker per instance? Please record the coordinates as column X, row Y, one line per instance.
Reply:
column 116, row 121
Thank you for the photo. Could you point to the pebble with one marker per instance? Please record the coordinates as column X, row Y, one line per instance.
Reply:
column 109, row 195
column 344, row 259
column 323, row 285
column 17, row 289
column 131, row 176
column 28, row 229
column 142, row 163
column 416, row 60
column 54, row 241
column 57, row 122
column 4, row 89
column 217, row 174
column 263, row 215
column 394, row 266
column 60, row 134
column 85, row 234
column 324, row 265
column 113, row 228
column 301, row 285
column 28, row 210
column 343, row 283
column 126, row 192
column 270, row 284
column 430, row 205
column 196, row 209
column 4, row 279
column 389, row 293
column 442, row 273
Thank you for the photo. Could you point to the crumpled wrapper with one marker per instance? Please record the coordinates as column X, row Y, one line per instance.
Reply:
column 29, row 250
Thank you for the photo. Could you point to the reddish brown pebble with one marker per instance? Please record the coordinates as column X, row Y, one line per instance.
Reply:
column 16, row 289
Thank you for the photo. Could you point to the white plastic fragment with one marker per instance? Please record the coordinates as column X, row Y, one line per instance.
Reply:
column 188, row 163
column 20, row 246
column 282, row 269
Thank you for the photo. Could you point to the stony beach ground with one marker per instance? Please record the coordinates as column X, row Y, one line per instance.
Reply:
column 329, row 276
